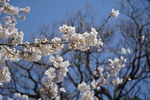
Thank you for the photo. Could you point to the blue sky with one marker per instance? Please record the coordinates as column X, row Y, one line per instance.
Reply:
column 48, row 11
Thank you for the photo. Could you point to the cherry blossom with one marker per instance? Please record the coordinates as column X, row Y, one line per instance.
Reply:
column 114, row 13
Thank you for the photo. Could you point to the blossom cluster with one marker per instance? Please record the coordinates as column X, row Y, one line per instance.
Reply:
column 109, row 75
column 104, row 76
column 8, row 29
column 8, row 54
column 125, row 51
column 45, row 47
column 55, row 75
column 61, row 67
column 23, row 97
column 18, row 96
column 4, row 75
column 86, row 92
column 12, row 10
column 78, row 41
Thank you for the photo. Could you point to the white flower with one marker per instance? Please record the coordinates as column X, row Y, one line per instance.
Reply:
column 62, row 89
column 86, row 91
column 67, row 29
column 117, row 81
column 143, row 37
column 31, row 54
column 93, row 83
column 114, row 13
column 24, row 97
column 50, row 73
column 129, row 78
column 87, row 96
column 100, row 69
column 51, row 48
column 83, row 87
column 128, row 50
column 17, row 38
column 123, row 51
column 61, row 66
column 53, row 89
column 4, row 75
column 18, row 95
column 25, row 10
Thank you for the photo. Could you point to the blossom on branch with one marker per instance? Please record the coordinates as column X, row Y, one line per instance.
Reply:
column 4, row 75
column 114, row 13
